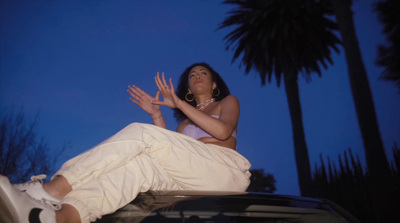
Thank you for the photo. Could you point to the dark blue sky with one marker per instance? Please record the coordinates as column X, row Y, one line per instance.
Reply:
column 73, row 60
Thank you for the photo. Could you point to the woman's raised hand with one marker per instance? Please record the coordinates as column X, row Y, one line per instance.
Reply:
column 168, row 92
column 144, row 100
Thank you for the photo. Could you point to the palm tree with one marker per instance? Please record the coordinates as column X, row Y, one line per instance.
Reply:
column 389, row 56
column 378, row 165
column 284, row 38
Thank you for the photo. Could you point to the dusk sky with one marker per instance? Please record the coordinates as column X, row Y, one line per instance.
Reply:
column 72, row 61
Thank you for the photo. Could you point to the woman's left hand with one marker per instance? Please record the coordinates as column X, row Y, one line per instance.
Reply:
column 168, row 92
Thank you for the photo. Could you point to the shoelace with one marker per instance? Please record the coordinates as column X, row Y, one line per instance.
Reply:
column 34, row 180
column 53, row 205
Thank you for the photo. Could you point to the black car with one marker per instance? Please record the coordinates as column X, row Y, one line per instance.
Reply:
column 208, row 207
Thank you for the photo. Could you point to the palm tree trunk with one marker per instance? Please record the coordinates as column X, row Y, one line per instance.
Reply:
column 378, row 165
column 300, row 146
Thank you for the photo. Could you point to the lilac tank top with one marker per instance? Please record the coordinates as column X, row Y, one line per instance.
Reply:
column 197, row 133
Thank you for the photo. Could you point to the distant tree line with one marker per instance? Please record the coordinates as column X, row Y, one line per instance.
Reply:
column 348, row 184
column 261, row 182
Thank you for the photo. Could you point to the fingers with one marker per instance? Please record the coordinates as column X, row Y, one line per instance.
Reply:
column 135, row 90
column 158, row 82
column 157, row 96
column 161, row 82
column 137, row 94
column 172, row 85
column 133, row 93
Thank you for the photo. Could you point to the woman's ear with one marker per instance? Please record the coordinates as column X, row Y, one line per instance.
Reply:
column 214, row 85
column 189, row 91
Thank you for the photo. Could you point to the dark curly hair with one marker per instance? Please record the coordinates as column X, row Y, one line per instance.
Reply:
column 183, row 87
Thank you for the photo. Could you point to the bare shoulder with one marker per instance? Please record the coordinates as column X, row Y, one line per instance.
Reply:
column 231, row 100
column 230, row 104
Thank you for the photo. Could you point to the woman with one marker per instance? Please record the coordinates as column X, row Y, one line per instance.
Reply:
column 199, row 156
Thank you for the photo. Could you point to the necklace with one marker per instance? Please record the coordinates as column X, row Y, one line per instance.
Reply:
column 204, row 104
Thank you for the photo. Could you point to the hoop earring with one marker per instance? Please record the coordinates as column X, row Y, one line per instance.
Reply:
column 217, row 94
column 186, row 97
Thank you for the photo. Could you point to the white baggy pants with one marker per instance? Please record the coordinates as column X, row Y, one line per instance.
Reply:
column 144, row 157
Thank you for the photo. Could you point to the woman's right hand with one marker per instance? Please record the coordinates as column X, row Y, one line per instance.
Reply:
column 144, row 100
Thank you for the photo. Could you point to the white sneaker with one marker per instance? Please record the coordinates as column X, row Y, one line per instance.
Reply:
column 35, row 190
column 17, row 207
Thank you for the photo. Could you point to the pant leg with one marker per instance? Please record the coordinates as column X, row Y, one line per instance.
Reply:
column 113, row 190
column 107, row 156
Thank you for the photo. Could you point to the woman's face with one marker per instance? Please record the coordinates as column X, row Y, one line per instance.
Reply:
column 200, row 80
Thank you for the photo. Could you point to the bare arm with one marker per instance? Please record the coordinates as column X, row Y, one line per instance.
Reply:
column 221, row 128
